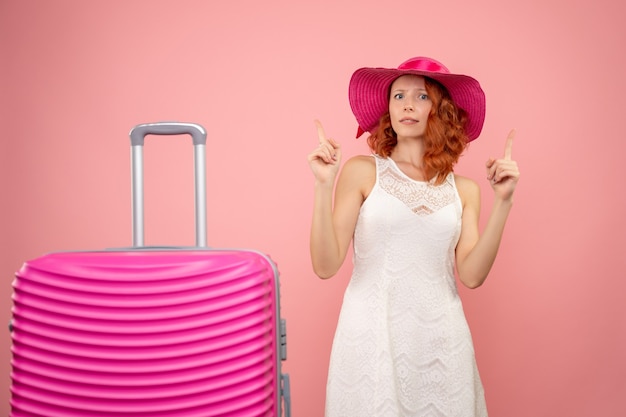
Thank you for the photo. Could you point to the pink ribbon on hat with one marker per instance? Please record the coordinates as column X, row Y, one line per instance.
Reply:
column 421, row 64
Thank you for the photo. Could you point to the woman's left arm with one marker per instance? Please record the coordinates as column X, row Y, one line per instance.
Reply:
column 476, row 252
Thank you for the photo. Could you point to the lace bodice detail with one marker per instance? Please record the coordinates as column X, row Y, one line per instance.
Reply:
column 421, row 197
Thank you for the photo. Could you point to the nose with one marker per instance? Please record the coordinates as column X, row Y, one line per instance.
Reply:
column 408, row 107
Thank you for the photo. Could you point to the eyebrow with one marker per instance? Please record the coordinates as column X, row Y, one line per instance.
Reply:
column 402, row 90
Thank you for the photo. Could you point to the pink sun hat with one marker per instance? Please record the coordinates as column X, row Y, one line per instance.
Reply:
column 369, row 92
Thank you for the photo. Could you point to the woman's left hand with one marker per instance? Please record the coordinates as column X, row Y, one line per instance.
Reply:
column 503, row 173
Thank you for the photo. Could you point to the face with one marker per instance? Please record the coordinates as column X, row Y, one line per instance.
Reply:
column 409, row 106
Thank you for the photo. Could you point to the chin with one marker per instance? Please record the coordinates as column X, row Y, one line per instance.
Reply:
column 410, row 135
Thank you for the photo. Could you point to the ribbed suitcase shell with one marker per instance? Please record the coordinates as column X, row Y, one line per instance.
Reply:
column 146, row 333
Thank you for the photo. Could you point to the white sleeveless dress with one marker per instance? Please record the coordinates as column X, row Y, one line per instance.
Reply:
column 402, row 347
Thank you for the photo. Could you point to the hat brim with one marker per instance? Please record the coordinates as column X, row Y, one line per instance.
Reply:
column 369, row 88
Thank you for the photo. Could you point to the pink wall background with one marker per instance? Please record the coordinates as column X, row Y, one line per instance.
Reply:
column 550, row 323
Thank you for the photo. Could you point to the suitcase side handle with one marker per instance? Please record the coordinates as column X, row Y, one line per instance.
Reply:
column 137, row 136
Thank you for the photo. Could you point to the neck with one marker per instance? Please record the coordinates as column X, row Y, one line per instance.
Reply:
column 409, row 150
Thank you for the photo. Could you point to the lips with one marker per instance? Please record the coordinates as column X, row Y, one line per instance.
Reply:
column 408, row 121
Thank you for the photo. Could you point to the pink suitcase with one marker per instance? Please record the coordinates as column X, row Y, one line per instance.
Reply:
column 147, row 331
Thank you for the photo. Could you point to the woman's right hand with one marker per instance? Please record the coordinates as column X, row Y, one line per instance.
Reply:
column 326, row 158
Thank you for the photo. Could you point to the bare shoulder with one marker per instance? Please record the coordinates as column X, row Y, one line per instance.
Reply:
column 360, row 173
column 468, row 188
column 361, row 162
column 360, row 166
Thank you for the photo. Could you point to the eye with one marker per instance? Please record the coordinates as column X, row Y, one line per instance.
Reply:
column 423, row 97
column 398, row 96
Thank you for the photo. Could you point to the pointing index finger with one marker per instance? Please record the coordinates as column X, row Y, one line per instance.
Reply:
column 508, row 148
column 321, row 135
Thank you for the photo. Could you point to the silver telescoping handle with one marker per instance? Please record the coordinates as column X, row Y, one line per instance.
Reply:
column 137, row 136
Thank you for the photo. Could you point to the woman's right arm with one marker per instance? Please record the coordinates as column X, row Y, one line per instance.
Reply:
column 332, row 226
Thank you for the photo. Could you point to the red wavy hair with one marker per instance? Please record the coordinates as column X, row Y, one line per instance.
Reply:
column 445, row 138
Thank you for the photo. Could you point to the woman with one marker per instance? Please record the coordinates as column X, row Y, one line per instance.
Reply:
column 402, row 345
